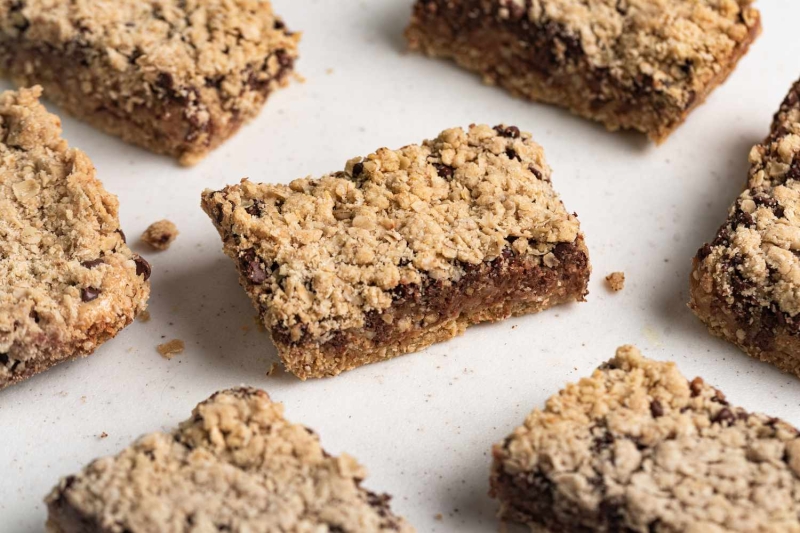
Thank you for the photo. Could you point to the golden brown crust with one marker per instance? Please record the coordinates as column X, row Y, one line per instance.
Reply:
column 334, row 260
column 177, row 77
column 68, row 282
column 637, row 447
column 638, row 64
column 237, row 465
column 746, row 283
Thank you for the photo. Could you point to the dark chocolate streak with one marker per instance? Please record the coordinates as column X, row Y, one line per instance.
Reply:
column 507, row 278
column 550, row 43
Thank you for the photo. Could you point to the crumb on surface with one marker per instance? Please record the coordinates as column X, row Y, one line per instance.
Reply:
column 170, row 349
column 103, row 435
column 160, row 235
column 616, row 281
column 144, row 316
column 439, row 517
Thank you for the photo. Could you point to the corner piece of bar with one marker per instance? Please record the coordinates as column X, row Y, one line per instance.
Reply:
column 236, row 465
column 403, row 248
column 745, row 284
column 175, row 77
column 638, row 447
column 68, row 281
column 634, row 64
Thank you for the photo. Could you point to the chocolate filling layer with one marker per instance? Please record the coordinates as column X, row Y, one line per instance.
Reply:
column 508, row 278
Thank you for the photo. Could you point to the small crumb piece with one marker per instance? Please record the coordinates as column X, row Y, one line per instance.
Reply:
column 144, row 316
column 273, row 369
column 616, row 281
column 170, row 349
column 439, row 517
column 103, row 435
column 160, row 234
column 329, row 71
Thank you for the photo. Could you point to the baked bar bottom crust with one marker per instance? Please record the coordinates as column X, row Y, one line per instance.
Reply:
column 503, row 59
column 166, row 124
column 419, row 317
column 761, row 336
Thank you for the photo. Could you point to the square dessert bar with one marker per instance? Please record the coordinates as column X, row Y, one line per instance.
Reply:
column 176, row 77
column 633, row 64
column 237, row 465
column 637, row 447
column 403, row 248
column 68, row 282
column 745, row 284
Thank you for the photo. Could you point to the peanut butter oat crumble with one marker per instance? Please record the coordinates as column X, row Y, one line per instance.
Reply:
column 746, row 283
column 402, row 248
column 237, row 465
column 160, row 235
column 177, row 77
column 68, row 282
column 638, row 447
column 630, row 64
column 616, row 281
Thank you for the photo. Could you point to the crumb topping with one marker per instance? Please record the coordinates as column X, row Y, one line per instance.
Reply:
column 160, row 235
column 317, row 255
column 236, row 465
column 616, row 281
column 753, row 263
column 674, row 47
column 67, row 279
column 639, row 444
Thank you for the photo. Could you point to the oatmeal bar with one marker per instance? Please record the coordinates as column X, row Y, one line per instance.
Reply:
column 632, row 64
column 637, row 447
column 176, row 77
column 68, row 282
column 237, row 465
column 402, row 249
column 746, row 283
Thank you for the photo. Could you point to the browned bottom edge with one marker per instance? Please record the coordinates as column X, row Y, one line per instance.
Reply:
column 490, row 292
column 162, row 125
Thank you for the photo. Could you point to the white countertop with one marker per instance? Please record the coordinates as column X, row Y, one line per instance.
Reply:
column 423, row 424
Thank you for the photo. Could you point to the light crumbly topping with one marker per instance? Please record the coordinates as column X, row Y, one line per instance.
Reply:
column 672, row 47
column 237, row 465
column 67, row 279
column 616, row 281
column 639, row 443
column 753, row 263
column 160, row 235
column 317, row 255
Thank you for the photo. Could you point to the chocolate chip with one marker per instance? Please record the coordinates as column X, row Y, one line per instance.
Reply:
column 510, row 131
column 255, row 210
column 656, row 409
column 255, row 272
column 512, row 154
column 278, row 24
column 704, row 252
column 4, row 359
column 358, row 168
column 444, row 171
column 743, row 219
column 89, row 294
column 536, row 171
column 142, row 267
column 724, row 416
column 286, row 61
column 93, row 263
column 122, row 234
column 696, row 386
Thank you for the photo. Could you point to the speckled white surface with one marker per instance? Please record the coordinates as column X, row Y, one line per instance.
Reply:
column 422, row 424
